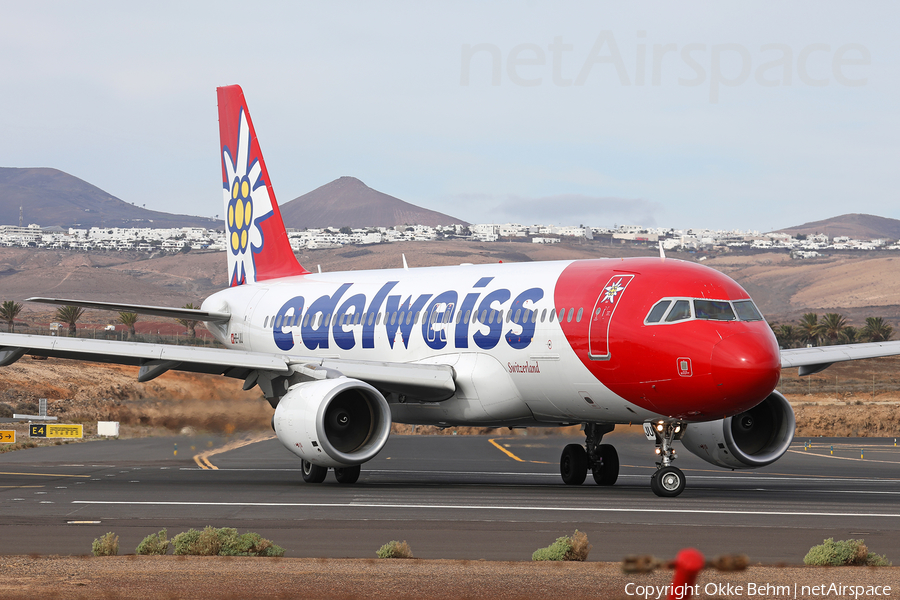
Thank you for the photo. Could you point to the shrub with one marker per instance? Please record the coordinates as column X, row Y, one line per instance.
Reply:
column 153, row 544
column 27, row 408
column 107, row 545
column 565, row 548
column 224, row 542
column 197, row 543
column 844, row 553
column 395, row 549
column 247, row 544
column 6, row 411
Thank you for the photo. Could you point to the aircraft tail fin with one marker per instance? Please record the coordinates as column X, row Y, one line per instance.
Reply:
column 258, row 245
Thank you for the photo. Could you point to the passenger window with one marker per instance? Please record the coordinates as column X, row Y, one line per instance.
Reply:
column 378, row 319
column 569, row 318
column 266, row 322
column 552, row 315
column 484, row 316
column 408, row 317
column 466, row 318
column 658, row 310
column 306, row 320
column 543, row 315
column 393, row 318
column 713, row 310
column 679, row 312
column 534, row 316
column 747, row 311
column 578, row 316
column 518, row 314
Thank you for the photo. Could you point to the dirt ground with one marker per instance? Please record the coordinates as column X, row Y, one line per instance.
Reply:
column 223, row 578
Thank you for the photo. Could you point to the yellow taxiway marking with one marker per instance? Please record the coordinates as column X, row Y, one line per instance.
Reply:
column 45, row 474
column 513, row 456
column 202, row 459
column 890, row 462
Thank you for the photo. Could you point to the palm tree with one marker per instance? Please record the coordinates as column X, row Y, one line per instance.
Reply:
column 786, row 335
column 832, row 327
column 69, row 315
column 808, row 329
column 850, row 335
column 128, row 319
column 876, row 330
column 9, row 310
column 191, row 324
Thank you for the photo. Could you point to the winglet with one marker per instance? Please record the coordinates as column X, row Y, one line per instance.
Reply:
column 258, row 245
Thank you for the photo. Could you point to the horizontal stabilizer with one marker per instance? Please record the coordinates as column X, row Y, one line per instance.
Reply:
column 188, row 314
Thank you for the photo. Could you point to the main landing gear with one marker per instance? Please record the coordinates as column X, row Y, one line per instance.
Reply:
column 316, row 474
column 667, row 481
column 601, row 459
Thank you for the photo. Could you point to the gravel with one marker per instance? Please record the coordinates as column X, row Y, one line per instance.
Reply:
column 170, row 577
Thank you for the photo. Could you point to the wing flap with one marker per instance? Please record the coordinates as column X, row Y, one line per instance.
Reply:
column 819, row 358
column 421, row 381
column 188, row 314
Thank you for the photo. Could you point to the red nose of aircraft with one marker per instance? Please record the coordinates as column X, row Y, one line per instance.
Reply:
column 745, row 369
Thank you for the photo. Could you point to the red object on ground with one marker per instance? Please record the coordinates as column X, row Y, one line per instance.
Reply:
column 688, row 563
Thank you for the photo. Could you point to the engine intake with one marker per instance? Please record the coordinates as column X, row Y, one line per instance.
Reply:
column 752, row 439
column 333, row 422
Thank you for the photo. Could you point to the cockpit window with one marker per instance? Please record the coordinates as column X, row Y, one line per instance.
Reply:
column 679, row 312
column 747, row 311
column 672, row 310
column 713, row 310
column 658, row 310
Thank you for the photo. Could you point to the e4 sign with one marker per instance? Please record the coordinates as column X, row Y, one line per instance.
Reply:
column 46, row 430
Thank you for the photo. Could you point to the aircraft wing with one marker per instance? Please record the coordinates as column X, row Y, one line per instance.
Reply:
column 813, row 360
column 188, row 314
column 423, row 381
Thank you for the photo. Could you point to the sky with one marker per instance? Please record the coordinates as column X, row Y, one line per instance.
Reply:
column 752, row 116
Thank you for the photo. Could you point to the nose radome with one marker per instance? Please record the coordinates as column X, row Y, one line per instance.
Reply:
column 745, row 367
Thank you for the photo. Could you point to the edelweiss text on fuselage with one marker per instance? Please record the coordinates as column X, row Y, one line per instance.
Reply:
column 333, row 318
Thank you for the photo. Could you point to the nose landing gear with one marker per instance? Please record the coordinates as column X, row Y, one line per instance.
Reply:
column 667, row 481
column 601, row 459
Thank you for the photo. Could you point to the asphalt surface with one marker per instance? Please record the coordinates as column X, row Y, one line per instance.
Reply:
column 458, row 497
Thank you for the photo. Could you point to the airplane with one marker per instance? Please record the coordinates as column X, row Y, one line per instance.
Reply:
column 673, row 345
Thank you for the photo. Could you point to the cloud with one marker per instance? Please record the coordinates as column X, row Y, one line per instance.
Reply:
column 565, row 209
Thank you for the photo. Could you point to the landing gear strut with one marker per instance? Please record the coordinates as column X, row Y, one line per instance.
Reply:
column 601, row 459
column 667, row 481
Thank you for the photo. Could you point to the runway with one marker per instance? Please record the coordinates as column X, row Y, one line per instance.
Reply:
column 461, row 497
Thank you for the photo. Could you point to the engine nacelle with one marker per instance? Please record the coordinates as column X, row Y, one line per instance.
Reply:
column 333, row 422
column 752, row 439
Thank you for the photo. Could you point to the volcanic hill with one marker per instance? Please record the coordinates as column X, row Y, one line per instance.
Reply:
column 347, row 201
column 51, row 197
column 856, row 226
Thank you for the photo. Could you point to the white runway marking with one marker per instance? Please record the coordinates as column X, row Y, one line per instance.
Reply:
column 487, row 507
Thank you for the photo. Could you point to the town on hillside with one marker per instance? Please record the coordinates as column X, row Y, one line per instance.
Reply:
column 183, row 239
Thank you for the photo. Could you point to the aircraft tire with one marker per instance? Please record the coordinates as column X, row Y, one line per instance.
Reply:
column 573, row 464
column 312, row 473
column 667, row 482
column 606, row 470
column 347, row 474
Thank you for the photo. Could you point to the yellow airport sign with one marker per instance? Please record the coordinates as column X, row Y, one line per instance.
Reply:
column 7, row 437
column 47, row 430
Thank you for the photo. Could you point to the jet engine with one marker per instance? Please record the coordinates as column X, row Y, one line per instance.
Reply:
column 752, row 439
column 333, row 422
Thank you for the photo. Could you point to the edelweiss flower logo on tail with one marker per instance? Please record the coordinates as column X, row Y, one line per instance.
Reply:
column 247, row 203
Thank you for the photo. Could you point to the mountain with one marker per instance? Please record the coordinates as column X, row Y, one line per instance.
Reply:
column 857, row 226
column 51, row 197
column 347, row 201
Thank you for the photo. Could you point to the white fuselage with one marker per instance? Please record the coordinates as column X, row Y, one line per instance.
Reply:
column 494, row 324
